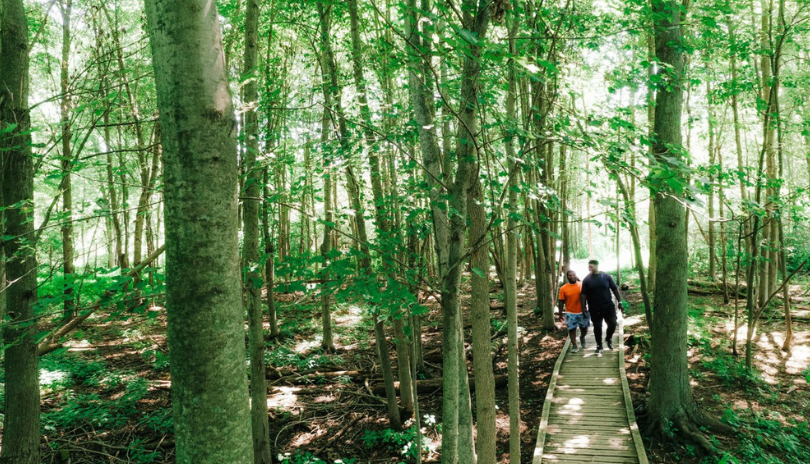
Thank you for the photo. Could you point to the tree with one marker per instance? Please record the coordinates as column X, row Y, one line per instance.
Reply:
column 205, row 331
column 21, row 404
column 250, row 254
column 671, row 400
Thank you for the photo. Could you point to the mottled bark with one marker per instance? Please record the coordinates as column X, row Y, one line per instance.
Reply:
column 206, row 347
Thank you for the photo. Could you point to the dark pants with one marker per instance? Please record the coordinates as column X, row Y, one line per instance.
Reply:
column 609, row 316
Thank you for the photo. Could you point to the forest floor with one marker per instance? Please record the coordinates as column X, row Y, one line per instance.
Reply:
column 107, row 398
column 767, row 407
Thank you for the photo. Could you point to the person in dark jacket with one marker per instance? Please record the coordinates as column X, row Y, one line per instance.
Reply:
column 596, row 300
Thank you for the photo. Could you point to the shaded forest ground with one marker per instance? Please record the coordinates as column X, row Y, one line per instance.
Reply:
column 768, row 407
column 107, row 398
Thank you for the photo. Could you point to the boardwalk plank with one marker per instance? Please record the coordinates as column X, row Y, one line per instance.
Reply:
column 587, row 414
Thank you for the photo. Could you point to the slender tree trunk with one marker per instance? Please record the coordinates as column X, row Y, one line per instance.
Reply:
column 270, row 252
column 139, row 134
column 510, row 284
column 207, row 350
column 712, row 160
column 651, row 92
column 481, row 329
column 383, row 227
column 66, row 162
column 251, row 203
column 21, row 400
column 633, row 226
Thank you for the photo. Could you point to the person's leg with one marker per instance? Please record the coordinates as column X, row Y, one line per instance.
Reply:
column 596, row 318
column 610, row 320
column 583, row 330
column 572, row 321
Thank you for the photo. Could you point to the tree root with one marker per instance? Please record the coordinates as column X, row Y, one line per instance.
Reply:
column 683, row 429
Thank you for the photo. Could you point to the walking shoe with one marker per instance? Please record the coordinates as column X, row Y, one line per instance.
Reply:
column 609, row 344
column 598, row 350
column 582, row 341
column 575, row 349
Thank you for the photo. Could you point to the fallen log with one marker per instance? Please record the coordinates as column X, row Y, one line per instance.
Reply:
column 705, row 287
column 430, row 385
column 51, row 342
column 273, row 373
column 303, row 379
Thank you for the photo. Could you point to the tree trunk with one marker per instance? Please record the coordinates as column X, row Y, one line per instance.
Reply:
column 712, row 160
column 21, row 403
column 671, row 400
column 651, row 265
column 510, row 284
column 481, row 328
column 251, row 266
column 207, row 350
column 270, row 258
column 633, row 226
column 67, row 163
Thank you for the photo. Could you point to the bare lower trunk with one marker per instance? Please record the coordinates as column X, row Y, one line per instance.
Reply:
column 481, row 329
column 207, row 348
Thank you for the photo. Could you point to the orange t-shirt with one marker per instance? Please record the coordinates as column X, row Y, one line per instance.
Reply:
column 569, row 293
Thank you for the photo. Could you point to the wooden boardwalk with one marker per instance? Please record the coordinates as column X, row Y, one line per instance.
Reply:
column 587, row 414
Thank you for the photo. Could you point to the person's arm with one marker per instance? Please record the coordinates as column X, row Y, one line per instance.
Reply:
column 615, row 290
column 583, row 300
column 561, row 302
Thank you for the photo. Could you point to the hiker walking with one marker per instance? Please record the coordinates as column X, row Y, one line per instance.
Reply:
column 569, row 300
column 595, row 299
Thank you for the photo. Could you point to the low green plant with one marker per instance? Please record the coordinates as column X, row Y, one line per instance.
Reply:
column 403, row 442
column 160, row 421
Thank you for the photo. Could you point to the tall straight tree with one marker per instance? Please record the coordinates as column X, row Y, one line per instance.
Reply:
column 250, row 253
column 67, row 162
column 671, row 400
column 203, row 301
column 21, row 404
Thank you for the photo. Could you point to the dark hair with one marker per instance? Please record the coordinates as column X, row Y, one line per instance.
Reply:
column 593, row 261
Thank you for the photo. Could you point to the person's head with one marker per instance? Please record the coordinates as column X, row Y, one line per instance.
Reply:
column 571, row 276
column 593, row 266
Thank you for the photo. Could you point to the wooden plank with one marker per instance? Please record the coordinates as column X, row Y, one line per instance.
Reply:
column 570, row 459
column 618, row 401
column 588, row 422
column 567, row 428
column 593, row 413
column 631, row 453
column 590, row 441
column 541, row 430
column 594, row 395
column 618, row 411
column 628, row 403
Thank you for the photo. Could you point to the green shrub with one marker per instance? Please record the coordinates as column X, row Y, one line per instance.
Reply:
column 403, row 442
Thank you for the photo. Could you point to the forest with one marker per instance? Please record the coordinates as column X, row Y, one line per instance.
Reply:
column 335, row 231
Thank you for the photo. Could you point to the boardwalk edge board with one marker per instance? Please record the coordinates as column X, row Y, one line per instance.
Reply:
column 628, row 403
column 543, row 429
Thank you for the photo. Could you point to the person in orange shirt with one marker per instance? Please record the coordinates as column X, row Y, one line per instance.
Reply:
column 569, row 300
